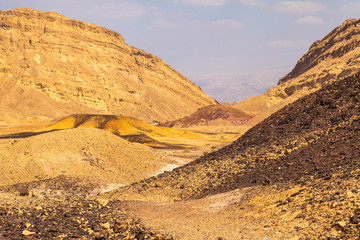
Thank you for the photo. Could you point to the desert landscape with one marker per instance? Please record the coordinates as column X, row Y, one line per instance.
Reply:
column 101, row 140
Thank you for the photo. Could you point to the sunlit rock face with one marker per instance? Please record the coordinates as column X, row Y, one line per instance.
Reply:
column 54, row 66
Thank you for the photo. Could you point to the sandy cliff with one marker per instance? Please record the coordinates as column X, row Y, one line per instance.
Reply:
column 54, row 66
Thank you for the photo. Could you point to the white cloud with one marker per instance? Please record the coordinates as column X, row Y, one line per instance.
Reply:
column 310, row 20
column 228, row 24
column 299, row 7
column 126, row 10
column 215, row 26
column 283, row 44
column 164, row 24
column 202, row 2
column 198, row 25
column 252, row 3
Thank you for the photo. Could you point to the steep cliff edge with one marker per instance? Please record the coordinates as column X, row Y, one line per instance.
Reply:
column 53, row 66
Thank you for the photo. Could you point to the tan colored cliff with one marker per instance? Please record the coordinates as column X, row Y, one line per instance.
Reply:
column 334, row 57
column 54, row 66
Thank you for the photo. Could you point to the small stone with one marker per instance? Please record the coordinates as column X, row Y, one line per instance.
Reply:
column 301, row 215
column 339, row 226
column 333, row 198
column 27, row 233
column 355, row 219
column 38, row 208
column 158, row 236
column 295, row 238
column 3, row 211
column 100, row 236
column 350, row 194
column 105, row 225
column 97, row 228
column 102, row 202
column 27, row 225
column 24, row 192
column 266, row 181
column 62, row 236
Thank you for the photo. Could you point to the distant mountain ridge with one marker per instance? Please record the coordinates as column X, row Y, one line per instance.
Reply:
column 54, row 66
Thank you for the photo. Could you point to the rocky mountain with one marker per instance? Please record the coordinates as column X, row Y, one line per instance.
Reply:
column 54, row 66
column 213, row 115
column 334, row 57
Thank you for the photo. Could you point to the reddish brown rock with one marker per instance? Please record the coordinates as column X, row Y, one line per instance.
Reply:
column 211, row 115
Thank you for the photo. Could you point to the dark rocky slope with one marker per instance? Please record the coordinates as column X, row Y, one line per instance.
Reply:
column 58, row 209
column 314, row 137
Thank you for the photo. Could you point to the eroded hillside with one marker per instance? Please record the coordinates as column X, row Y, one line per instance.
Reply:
column 53, row 66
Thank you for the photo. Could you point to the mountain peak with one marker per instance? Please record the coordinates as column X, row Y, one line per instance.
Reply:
column 350, row 21
column 332, row 58
column 335, row 45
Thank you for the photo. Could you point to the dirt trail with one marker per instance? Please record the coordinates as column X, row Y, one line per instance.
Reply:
column 222, row 216
column 326, row 208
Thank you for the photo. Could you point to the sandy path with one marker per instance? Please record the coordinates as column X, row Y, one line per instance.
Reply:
column 229, row 216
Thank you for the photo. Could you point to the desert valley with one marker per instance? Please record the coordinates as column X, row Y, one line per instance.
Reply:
column 101, row 140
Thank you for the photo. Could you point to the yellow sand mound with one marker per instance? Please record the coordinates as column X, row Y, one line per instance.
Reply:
column 81, row 152
column 138, row 131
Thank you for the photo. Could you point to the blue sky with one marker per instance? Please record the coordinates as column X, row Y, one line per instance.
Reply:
column 233, row 49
